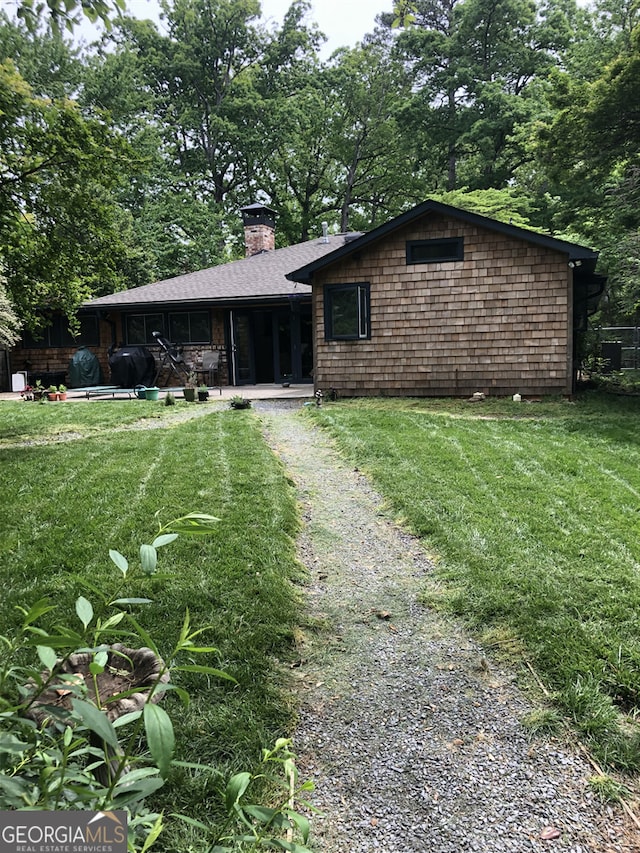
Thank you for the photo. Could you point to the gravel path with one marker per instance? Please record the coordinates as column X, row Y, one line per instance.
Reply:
column 411, row 735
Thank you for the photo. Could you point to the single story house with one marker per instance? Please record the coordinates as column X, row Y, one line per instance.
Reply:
column 437, row 302
column 443, row 302
column 247, row 309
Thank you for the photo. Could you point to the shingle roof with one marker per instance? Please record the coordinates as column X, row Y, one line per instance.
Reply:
column 262, row 276
column 575, row 252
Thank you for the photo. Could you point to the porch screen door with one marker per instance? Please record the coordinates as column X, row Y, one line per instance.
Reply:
column 241, row 350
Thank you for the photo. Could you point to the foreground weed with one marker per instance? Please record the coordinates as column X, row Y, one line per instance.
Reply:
column 250, row 826
column 608, row 790
column 542, row 722
column 71, row 721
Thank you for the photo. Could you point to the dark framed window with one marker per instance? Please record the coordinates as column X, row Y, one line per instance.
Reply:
column 57, row 334
column 346, row 312
column 139, row 328
column 435, row 251
column 190, row 327
column 181, row 327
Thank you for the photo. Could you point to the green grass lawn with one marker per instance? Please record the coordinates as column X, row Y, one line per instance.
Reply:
column 532, row 512
column 65, row 504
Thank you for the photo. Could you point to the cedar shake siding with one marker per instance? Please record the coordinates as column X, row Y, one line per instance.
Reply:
column 438, row 301
column 498, row 321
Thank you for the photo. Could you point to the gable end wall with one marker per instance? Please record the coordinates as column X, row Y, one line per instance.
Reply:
column 498, row 322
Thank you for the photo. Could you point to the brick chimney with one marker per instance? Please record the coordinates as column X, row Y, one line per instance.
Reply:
column 259, row 229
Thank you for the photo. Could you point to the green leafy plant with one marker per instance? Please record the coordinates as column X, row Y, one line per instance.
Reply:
column 253, row 826
column 238, row 402
column 61, row 745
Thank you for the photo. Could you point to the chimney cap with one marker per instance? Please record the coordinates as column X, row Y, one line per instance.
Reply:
column 260, row 212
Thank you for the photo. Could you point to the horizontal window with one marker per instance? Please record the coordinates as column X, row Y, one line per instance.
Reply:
column 192, row 327
column 346, row 312
column 435, row 251
column 57, row 334
column 139, row 328
column 184, row 327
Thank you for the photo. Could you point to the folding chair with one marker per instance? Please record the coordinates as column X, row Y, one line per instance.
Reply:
column 171, row 358
column 210, row 370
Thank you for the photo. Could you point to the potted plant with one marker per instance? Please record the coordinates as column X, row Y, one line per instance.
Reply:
column 203, row 393
column 38, row 391
column 238, row 402
column 189, row 389
column 62, row 392
column 52, row 393
column 27, row 392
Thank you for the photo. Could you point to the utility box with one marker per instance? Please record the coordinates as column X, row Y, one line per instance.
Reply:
column 611, row 354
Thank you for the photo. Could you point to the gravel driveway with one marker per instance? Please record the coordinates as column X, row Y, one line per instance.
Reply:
column 411, row 734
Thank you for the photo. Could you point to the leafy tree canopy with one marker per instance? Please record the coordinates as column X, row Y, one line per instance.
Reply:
column 63, row 238
column 9, row 323
column 506, row 205
column 65, row 14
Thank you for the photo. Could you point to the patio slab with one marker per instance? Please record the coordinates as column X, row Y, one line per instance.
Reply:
column 251, row 392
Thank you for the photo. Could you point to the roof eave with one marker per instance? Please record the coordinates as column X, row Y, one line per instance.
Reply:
column 183, row 304
column 575, row 252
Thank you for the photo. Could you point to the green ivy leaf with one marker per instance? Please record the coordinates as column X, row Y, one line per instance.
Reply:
column 165, row 539
column 125, row 719
column 156, row 829
column 301, row 822
column 236, row 786
column 113, row 620
column 206, row 670
column 262, row 814
column 10, row 743
column 193, row 524
column 136, row 792
column 36, row 610
column 144, row 635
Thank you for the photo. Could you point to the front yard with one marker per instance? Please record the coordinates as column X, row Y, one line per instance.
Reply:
column 65, row 503
column 532, row 514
